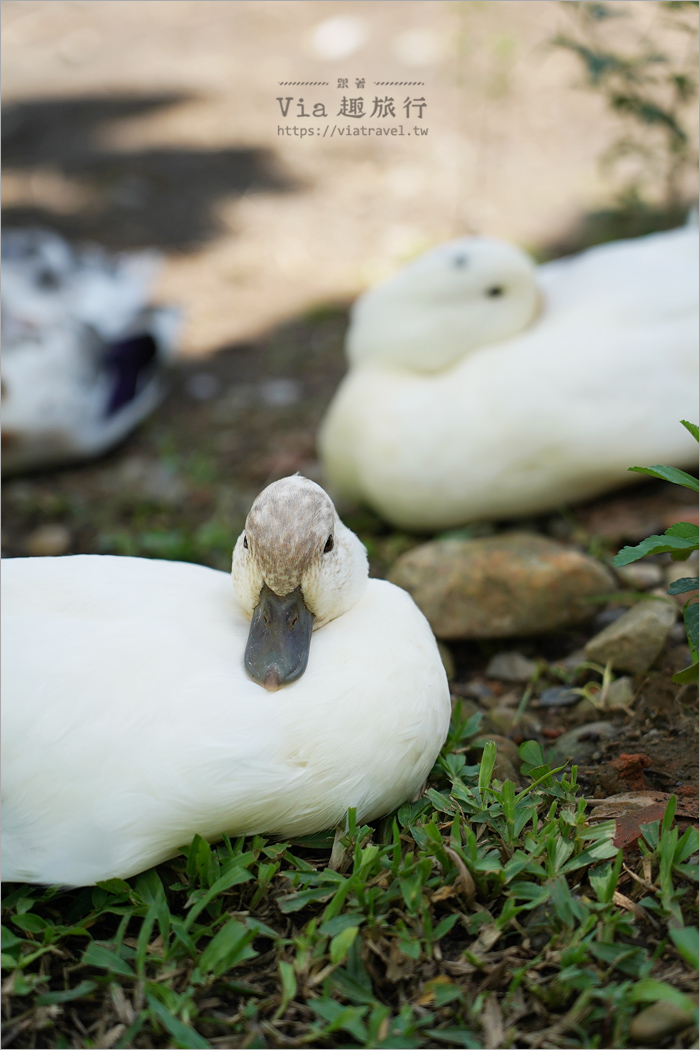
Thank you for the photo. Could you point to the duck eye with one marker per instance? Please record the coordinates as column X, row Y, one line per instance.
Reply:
column 329, row 544
column 460, row 261
column 245, row 542
column 495, row 291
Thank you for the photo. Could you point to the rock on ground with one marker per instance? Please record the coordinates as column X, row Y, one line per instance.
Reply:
column 517, row 583
column 633, row 642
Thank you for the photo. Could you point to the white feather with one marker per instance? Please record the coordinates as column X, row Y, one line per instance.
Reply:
column 129, row 723
column 458, row 407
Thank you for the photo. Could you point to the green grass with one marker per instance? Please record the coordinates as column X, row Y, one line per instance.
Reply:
column 479, row 915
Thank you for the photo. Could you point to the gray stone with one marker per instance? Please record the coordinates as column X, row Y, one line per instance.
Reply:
column 579, row 744
column 506, row 721
column 678, row 569
column 572, row 662
column 585, row 711
column 633, row 642
column 48, row 541
column 640, row 575
column 620, row 693
column 559, row 696
column 657, row 1022
column 504, row 745
column 511, row 667
column 517, row 583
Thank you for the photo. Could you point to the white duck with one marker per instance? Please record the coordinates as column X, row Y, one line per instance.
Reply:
column 83, row 354
column 130, row 722
column 463, row 402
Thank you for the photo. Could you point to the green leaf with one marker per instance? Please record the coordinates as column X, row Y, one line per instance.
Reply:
column 688, row 530
column 692, row 428
column 105, row 959
column 650, row 991
column 81, row 989
column 678, row 545
column 690, row 616
column 228, row 948
column 686, row 583
column 338, row 1016
column 672, row 474
column 686, row 941
column 488, row 760
column 341, row 943
column 10, row 939
column 289, row 981
column 233, row 877
column 454, row 1037
column 116, row 886
column 183, row 1034
column 688, row 676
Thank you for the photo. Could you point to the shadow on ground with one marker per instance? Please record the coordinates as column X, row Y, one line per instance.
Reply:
column 131, row 199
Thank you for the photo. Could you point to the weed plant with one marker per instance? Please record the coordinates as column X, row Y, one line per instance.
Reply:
column 649, row 83
column 680, row 541
column 479, row 915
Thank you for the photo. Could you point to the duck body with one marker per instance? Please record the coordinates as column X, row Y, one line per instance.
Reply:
column 138, row 726
column 83, row 353
column 537, row 417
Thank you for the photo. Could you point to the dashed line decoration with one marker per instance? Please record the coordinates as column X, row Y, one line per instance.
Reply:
column 399, row 83
column 303, row 83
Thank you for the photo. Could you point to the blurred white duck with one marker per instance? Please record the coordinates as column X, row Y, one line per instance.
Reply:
column 481, row 386
column 143, row 723
column 83, row 354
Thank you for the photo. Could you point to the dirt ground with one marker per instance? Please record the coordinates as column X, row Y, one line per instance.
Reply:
column 137, row 124
column 158, row 124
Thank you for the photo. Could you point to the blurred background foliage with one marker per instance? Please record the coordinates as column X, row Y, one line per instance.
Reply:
column 649, row 88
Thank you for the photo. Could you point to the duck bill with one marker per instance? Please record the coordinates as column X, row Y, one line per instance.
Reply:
column 279, row 639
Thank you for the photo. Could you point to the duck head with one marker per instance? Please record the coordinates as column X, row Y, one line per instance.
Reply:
column 295, row 568
column 454, row 299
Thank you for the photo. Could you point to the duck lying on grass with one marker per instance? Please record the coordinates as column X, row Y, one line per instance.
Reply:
column 481, row 386
column 143, row 700
column 83, row 353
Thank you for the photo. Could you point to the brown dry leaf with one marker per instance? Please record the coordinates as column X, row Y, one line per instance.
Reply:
column 605, row 808
column 442, row 894
column 399, row 966
column 464, row 881
column 630, row 809
column 488, row 936
column 639, row 913
column 113, row 1035
column 492, row 1021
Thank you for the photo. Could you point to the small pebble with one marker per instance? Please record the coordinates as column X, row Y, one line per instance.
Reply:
column 203, row 386
column 608, row 616
column 677, row 569
column 280, row 392
column 581, row 742
column 641, row 575
column 505, row 720
column 477, row 691
column 571, row 662
column 585, row 711
column 657, row 1022
column 634, row 641
column 504, row 745
column 559, row 696
column 48, row 541
column 678, row 634
column 620, row 693
column 511, row 667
